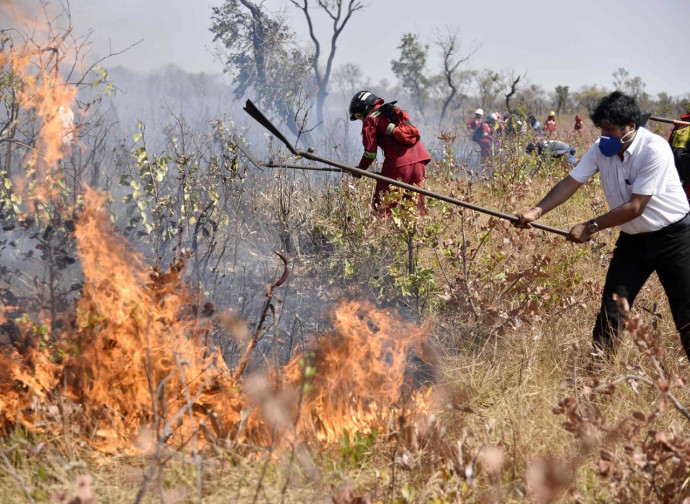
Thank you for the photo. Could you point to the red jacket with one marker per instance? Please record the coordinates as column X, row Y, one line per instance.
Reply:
column 473, row 124
column 550, row 124
column 395, row 154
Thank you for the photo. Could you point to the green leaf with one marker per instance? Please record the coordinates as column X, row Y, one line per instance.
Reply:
column 125, row 179
column 137, row 137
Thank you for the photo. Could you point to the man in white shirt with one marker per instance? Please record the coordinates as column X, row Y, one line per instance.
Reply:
column 646, row 202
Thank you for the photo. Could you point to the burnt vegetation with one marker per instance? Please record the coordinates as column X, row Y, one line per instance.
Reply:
column 177, row 323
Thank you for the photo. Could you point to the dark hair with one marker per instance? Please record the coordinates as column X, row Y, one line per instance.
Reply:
column 531, row 147
column 617, row 108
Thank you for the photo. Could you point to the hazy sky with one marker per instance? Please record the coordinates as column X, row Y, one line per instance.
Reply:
column 555, row 42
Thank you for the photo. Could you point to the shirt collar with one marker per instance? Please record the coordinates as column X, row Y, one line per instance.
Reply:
column 633, row 145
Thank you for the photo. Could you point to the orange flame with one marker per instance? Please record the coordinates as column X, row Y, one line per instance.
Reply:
column 138, row 356
column 42, row 90
column 140, row 342
column 359, row 368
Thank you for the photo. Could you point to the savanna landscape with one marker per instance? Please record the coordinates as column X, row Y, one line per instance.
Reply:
column 180, row 325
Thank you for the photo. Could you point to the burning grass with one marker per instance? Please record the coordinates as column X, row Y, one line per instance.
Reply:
column 136, row 360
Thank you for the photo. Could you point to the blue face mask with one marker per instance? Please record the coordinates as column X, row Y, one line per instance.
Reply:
column 609, row 146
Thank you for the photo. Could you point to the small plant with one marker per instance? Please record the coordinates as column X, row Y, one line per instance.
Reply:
column 354, row 450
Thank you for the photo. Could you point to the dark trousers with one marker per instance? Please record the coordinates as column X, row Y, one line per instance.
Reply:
column 635, row 258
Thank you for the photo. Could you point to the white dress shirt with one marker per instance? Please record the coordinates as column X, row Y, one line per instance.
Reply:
column 647, row 169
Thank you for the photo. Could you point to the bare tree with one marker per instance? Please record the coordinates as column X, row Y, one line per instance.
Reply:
column 511, row 84
column 452, row 59
column 340, row 17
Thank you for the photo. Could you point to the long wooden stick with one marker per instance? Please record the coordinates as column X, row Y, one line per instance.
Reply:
column 253, row 111
column 670, row 121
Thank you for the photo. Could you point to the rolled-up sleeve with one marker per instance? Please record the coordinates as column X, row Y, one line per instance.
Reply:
column 587, row 167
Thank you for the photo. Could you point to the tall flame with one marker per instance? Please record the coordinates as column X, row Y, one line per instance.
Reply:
column 41, row 89
column 360, row 370
column 140, row 341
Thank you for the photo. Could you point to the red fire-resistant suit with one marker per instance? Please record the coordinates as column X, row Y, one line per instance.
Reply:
column 486, row 142
column 578, row 123
column 473, row 124
column 406, row 163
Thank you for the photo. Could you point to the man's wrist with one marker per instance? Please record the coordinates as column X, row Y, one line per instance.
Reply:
column 592, row 226
column 538, row 210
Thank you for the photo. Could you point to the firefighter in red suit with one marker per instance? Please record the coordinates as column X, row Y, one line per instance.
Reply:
column 406, row 163
column 578, row 124
column 476, row 121
column 550, row 124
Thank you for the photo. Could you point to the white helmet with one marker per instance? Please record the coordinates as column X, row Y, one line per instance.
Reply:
column 479, row 111
column 493, row 116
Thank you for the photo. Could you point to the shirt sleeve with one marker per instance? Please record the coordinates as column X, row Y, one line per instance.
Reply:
column 587, row 167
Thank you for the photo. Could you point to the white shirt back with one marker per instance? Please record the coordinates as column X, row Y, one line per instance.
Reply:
column 647, row 169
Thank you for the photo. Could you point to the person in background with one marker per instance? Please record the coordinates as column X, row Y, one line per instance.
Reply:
column 550, row 123
column 680, row 144
column 515, row 124
column 535, row 125
column 646, row 202
column 578, row 124
column 476, row 121
column 555, row 149
column 484, row 135
column 403, row 162
column 499, row 125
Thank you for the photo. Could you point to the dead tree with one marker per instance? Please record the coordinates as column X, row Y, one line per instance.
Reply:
column 340, row 17
column 450, row 48
column 513, row 83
